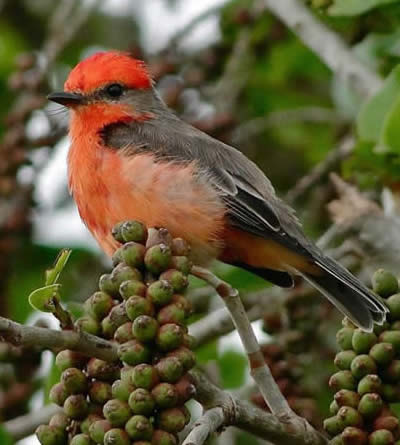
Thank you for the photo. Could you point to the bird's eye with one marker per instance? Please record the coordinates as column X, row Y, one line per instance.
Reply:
column 115, row 90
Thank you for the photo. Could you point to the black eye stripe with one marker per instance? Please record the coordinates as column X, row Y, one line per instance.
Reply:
column 114, row 90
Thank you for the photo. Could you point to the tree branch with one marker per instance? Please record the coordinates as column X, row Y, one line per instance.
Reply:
column 208, row 423
column 329, row 46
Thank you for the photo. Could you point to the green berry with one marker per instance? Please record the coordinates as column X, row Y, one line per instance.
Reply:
column 98, row 429
column 158, row 258
column 136, row 306
column 172, row 313
column 58, row 394
column 363, row 341
column 133, row 353
column 122, row 273
column 88, row 324
column 345, row 397
column 124, row 333
column 392, row 337
column 131, row 288
column 370, row 405
column 350, row 416
column 100, row 392
column 76, row 406
column 185, row 356
column 87, row 422
column 176, row 278
column 144, row 328
column 170, row 369
column 386, row 422
column 342, row 380
column 169, row 337
column 333, row 407
column 116, row 232
column 160, row 292
column 161, row 437
column 108, row 286
column 343, row 359
column 60, row 420
column 133, row 231
column 70, row 359
column 393, row 303
column 117, row 412
column 384, row 283
column 121, row 389
column 141, row 402
column 369, row 383
column 127, row 374
column 333, row 425
column 133, row 254
column 354, row 436
column 81, row 439
column 74, row 381
column 50, row 435
column 381, row 437
column 101, row 370
column 139, row 427
column 108, row 327
column 391, row 373
column 118, row 315
column 165, row 395
column 344, row 338
column 183, row 303
column 182, row 263
column 362, row 365
column 382, row 353
column 145, row 376
column 116, row 436
column 180, row 247
column 172, row 420
column 98, row 305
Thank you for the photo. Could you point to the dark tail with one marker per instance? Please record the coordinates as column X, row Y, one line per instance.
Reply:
column 347, row 293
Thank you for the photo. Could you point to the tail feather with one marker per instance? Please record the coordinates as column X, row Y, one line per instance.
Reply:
column 347, row 293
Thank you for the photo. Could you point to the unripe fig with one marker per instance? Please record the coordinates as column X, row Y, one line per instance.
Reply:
column 337, row 440
column 382, row 353
column 136, row 306
column 132, row 288
column 122, row 273
column 81, row 439
column 342, row 380
column 116, row 232
column 98, row 305
column 133, row 231
column 381, row 437
column 391, row 373
column 121, row 389
column 58, row 394
column 144, row 328
column 189, row 341
column 170, row 369
column 185, row 389
column 133, row 353
column 362, row 365
column 88, row 421
column 183, row 302
column 169, row 337
column 98, row 429
column 363, row 341
column 50, row 435
column 124, row 333
column 344, row 338
column 390, row 393
column 117, row 412
column 165, row 395
column 139, row 428
column 74, row 381
column 76, row 406
column 354, row 436
column 370, row 405
column 108, row 285
column 133, row 254
column 160, row 292
column 145, row 376
column 334, row 407
column 172, row 313
column 158, row 258
column 385, row 422
column 70, row 359
column 60, row 420
column 343, row 359
column 161, row 437
column 185, row 356
column 141, row 402
column 392, row 337
column 333, row 425
column 88, row 324
column 177, row 279
column 344, row 397
column 108, row 327
column 116, row 436
column 182, row 263
column 180, row 247
column 350, row 416
column 369, row 383
column 118, row 315
column 100, row 392
column 101, row 370
column 384, row 283
column 172, row 420
column 393, row 303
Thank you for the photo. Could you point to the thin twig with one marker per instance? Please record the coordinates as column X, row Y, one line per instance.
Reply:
column 87, row 344
column 329, row 46
column 208, row 423
column 258, row 368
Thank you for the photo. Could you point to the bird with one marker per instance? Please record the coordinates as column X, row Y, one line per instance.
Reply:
column 131, row 157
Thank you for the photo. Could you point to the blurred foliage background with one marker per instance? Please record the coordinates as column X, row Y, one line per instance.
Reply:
column 253, row 84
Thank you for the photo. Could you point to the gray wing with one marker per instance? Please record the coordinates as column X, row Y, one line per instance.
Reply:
column 249, row 196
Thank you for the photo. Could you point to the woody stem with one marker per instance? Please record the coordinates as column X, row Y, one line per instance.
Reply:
column 258, row 368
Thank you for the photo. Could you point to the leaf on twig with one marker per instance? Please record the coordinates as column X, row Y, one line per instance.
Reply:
column 53, row 274
column 43, row 298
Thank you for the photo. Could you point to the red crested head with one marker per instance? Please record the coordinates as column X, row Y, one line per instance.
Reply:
column 107, row 67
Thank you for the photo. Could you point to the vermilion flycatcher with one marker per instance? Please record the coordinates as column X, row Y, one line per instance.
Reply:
column 132, row 158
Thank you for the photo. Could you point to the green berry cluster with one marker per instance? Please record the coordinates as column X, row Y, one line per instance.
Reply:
column 141, row 398
column 368, row 377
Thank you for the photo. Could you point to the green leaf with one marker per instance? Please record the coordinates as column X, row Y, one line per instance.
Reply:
column 390, row 140
column 5, row 438
column 42, row 298
column 232, row 367
column 356, row 7
column 372, row 115
column 53, row 274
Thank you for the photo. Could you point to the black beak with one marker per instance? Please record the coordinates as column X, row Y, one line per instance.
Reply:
column 66, row 99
